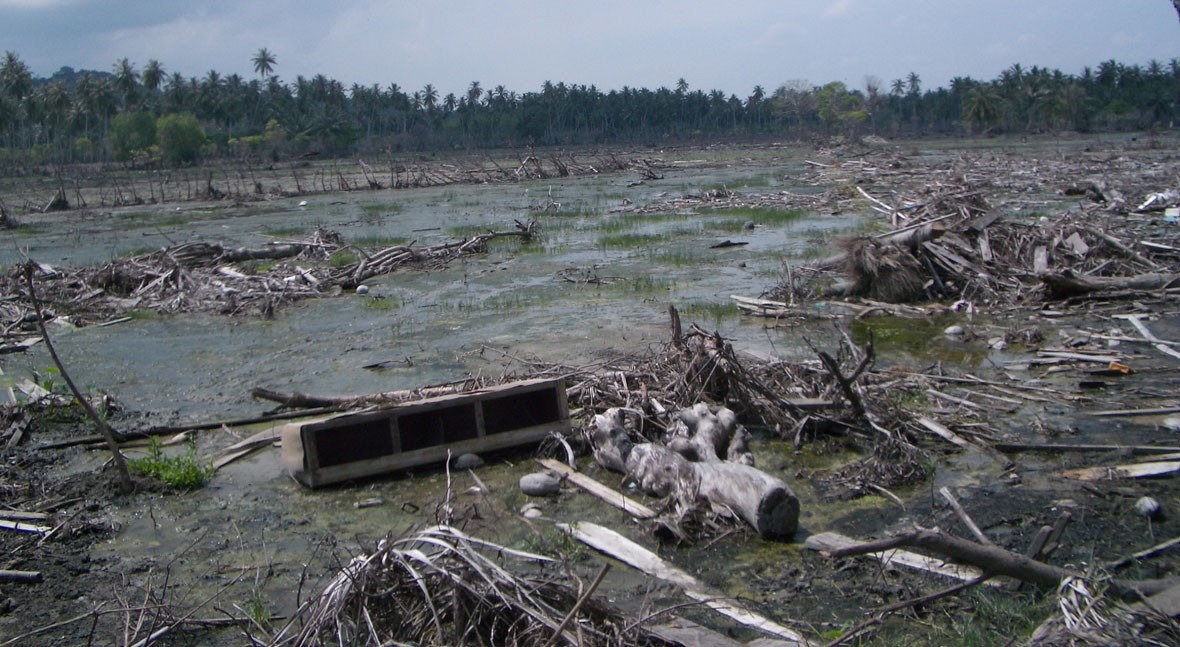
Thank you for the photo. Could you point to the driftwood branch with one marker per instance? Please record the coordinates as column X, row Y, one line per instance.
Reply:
column 108, row 435
column 994, row 560
column 1067, row 283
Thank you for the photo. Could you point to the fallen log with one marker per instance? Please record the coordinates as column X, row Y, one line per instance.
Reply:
column 24, row 577
column 1067, row 284
column 761, row 500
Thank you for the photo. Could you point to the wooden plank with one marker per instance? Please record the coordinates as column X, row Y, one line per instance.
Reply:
column 20, row 515
column 685, row 632
column 1040, row 260
column 985, row 248
column 612, row 543
column 1166, row 602
column 943, row 432
column 831, row 541
column 22, row 526
column 1156, row 342
column 1127, row 471
column 607, row 494
column 1158, row 411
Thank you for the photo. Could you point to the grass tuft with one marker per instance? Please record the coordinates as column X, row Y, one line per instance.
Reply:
column 181, row 472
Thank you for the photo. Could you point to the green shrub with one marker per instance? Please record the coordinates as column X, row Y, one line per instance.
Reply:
column 183, row 472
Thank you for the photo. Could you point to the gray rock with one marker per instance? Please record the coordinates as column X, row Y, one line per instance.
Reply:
column 362, row 289
column 540, row 484
column 467, row 462
column 1171, row 423
column 953, row 331
column 1148, row 507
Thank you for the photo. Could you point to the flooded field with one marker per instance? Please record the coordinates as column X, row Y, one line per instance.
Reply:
column 595, row 284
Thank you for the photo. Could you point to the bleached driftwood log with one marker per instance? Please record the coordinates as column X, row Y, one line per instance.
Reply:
column 690, row 468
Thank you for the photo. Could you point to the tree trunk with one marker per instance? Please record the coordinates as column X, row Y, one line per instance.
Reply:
column 1068, row 284
column 761, row 500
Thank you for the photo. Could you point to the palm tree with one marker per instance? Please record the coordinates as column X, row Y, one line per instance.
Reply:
column 127, row 81
column 913, row 83
column 428, row 98
column 264, row 62
column 980, row 107
column 152, row 75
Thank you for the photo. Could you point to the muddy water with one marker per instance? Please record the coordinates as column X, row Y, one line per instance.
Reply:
column 253, row 530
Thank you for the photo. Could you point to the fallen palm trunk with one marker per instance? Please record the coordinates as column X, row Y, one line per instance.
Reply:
column 761, row 500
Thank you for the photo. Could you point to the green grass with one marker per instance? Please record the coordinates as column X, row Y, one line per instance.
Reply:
column 629, row 240
column 381, row 304
column 286, row 232
column 381, row 209
column 342, row 258
column 768, row 216
column 181, row 472
column 707, row 312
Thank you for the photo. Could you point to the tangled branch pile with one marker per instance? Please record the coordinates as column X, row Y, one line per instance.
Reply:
column 1013, row 251
column 441, row 587
column 207, row 277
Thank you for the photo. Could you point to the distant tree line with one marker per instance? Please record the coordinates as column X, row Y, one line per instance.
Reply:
column 148, row 116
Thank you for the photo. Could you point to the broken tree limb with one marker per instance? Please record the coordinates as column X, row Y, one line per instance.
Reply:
column 993, row 560
column 298, row 400
column 1067, row 283
column 829, row 542
column 24, row 577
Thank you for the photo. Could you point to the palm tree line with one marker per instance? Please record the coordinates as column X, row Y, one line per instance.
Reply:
column 75, row 117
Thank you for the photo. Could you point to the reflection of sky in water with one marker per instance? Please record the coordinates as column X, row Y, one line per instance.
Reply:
column 512, row 300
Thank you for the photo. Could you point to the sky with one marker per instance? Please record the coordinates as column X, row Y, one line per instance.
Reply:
column 712, row 45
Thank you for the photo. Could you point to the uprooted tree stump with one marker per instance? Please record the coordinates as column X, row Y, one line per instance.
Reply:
column 689, row 469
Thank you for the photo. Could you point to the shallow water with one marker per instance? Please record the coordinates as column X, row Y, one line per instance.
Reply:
column 428, row 327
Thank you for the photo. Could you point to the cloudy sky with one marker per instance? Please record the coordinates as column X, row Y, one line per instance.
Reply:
column 729, row 46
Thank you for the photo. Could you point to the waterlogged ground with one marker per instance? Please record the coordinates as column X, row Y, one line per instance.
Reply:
column 253, row 542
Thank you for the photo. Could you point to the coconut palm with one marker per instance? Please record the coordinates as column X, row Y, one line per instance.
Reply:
column 264, row 62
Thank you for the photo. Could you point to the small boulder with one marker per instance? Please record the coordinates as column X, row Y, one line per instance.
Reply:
column 540, row 484
column 362, row 289
column 467, row 462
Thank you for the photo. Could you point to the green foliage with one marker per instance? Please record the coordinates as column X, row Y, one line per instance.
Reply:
column 342, row 258
column 132, row 133
column 381, row 304
column 180, row 138
column 182, row 472
column 257, row 608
